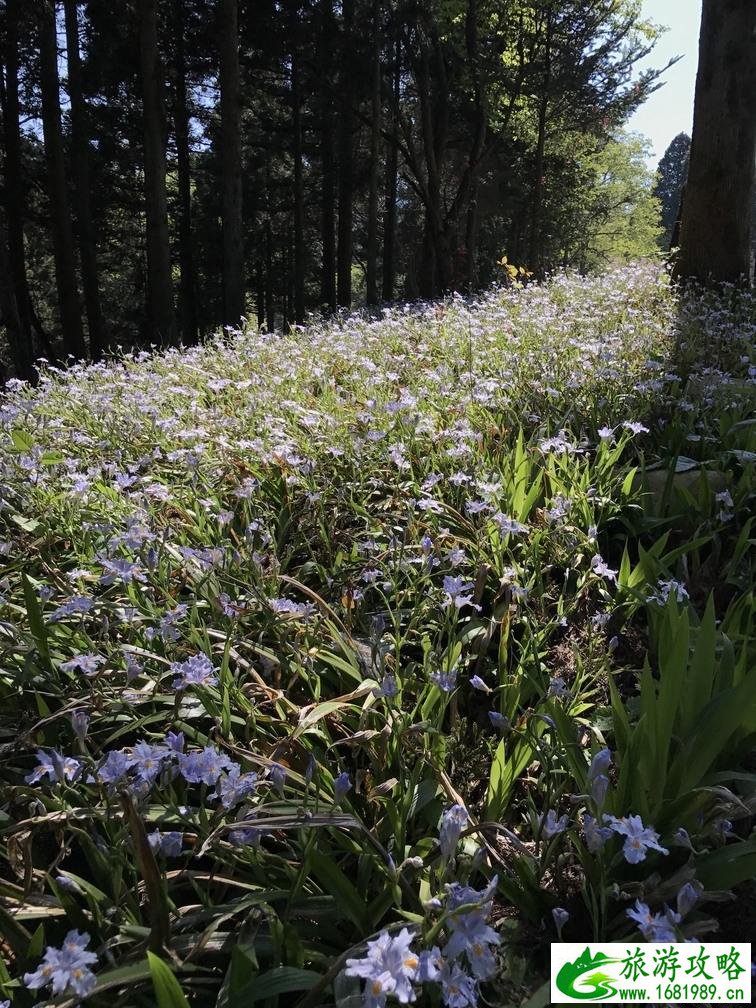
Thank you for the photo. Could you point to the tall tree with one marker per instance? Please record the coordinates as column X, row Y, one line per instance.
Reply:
column 715, row 225
column 270, row 310
column 392, row 173
column 535, row 245
column 480, row 119
column 188, row 289
column 60, row 214
column 670, row 180
column 296, row 126
column 327, row 161
column 231, row 159
column 160, row 312
column 18, row 341
column 447, row 69
column 14, row 189
column 371, row 272
column 345, row 141
column 80, row 163
column 471, row 175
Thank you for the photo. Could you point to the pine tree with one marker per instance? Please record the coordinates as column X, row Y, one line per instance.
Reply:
column 670, row 182
column 160, row 313
column 80, row 162
column 60, row 213
column 231, row 161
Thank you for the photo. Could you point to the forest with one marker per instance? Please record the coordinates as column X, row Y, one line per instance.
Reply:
column 169, row 167
column 377, row 506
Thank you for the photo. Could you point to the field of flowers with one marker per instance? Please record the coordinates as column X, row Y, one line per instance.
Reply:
column 355, row 666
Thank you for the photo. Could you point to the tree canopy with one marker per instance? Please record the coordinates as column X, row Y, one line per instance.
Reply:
column 670, row 181
column 182, row 165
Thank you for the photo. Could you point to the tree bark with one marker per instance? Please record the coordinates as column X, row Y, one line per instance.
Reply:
column 392, row 177
column 286, row 298
column 427, row 277
column 160, row 312
column 327, row 162
column 371, row 274
column 188, row 289
column 60, row 214
column 346, row 180
column 260, row 306
column 80, row 161
column 14, row 189
column 471, row 239
column 296, row 124
column 270, row 307
column 535, row 243
column 468, row 189
column 18, row 341
column 715, row 225
column 231, row 160
column 433, row 98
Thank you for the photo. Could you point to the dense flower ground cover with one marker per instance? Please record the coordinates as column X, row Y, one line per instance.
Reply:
column 356, row 665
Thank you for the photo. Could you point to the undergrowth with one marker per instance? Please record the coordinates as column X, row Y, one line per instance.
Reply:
column 432, row 631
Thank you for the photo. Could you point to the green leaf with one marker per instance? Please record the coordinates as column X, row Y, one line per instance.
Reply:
column 341, row 665
column 167, row 988
column 336, row 884
column 728, row 866
column 505, row 769
column 122, row 976
column 36, row 622
column 673, row 663
column 27, row 524
column 699, row 681
column 17, row 937
column 690, row 547
column 627, row 484
column 280, row 980
column 717, row 723
column 541, row 998
column 242, row 968
column 22, row 440
column 157, row 900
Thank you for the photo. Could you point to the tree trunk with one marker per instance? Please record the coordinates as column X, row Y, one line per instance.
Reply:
column 675, row 240
column 371, row 277
column 14, row 189
column 392, row 176
column 328, row 163
column 286, row 301
column 296, row 123
column 260, row 305
column 18, row 341
column 535, row 242
column 468, row 188
column 80, row 161
column 60, row 214
column 471, row 240
column 161, row 318
column 535, row 250
column 231, row 160
column 346, row 181
column 715, row 226
column 433, row 98
column 270, row 308
column 188, row 289
column 427, row 279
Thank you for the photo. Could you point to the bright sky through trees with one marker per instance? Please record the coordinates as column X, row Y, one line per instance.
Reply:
column 670, row 109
